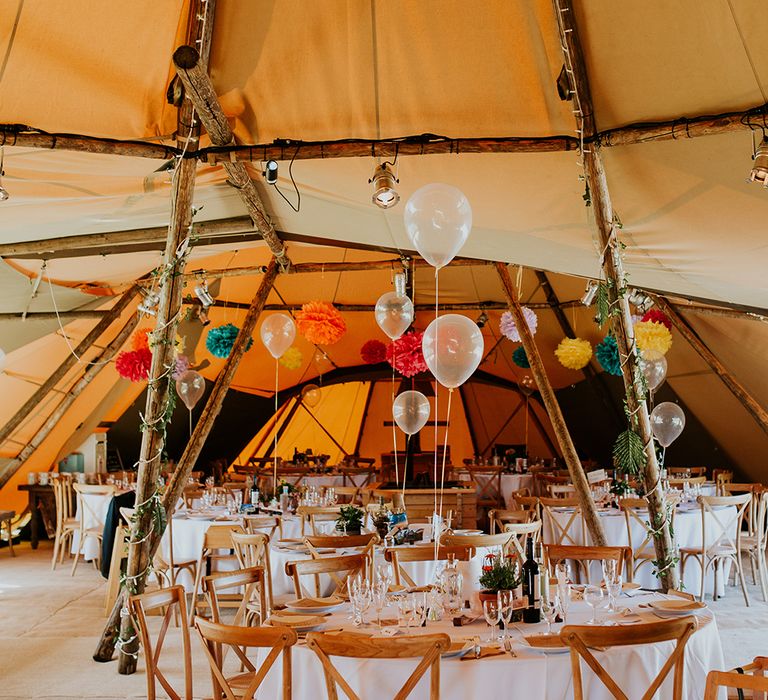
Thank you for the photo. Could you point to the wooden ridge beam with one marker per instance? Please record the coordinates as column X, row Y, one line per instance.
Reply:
column 547, row 393
column 76, row 315
column 199, row 89
column 93, row 369
column 746, row 399
column 613, row 267
column 67, row 364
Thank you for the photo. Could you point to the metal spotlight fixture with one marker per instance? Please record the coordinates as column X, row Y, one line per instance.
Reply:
column 385, row 195
column 270, row 172
column 202, row 315
column 400, row 283
column 202, row 293
column 759, row 171
column 482, row 319
column 149, row 305
column 590, row 293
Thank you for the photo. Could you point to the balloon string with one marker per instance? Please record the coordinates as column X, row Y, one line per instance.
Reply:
column 526, row 427
column 434, row 480
column 394, row 432
column 407, row 445
column 445, row 449
column 190, row 423
column 274, row 477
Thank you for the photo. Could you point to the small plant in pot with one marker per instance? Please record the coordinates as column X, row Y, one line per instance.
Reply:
column 501, row 573
column 350, row 520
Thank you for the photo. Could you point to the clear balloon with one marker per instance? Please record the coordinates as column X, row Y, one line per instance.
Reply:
column 654, row 366
column 453, row 348
column 394, row 313
column 322, row 361
column 411, row 411
column 667, row 422
column 438, row 219
column 527, row 385
column 190, row 387
column 278, row 332
column 3, row 359
column 311, row 395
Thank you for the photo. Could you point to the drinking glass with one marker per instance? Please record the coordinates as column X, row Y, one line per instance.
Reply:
column 361, row 601
column 384, row 574
column 613, row 589
column 609, row 569
column 491, row 613
column 593, row 596
column 549, row 609
column 420, row 609
column 404, row 611
column 506, row 606
column 563, row 572
column 379, row 593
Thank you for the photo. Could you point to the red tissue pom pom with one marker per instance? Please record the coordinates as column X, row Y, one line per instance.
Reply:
column 656, row 316
column 406, row 356
column 134, row 364
column 373, row 352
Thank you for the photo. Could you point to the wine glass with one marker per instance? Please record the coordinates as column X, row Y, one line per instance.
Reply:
column 384, row 574
column 613, row 589
column 379, row 594
column 593, row 596
column 563, row 572
column 564, row 599
column 549, row 609
column 491, row 612
column 610, row 569
column 361, row 601
column 506, row 607
column 404, row 610
column 420, row 609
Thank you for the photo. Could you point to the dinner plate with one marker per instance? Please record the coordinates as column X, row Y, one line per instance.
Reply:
column 467, row 532
column 300, row 623
column 677, row 608
column 458, row 648
column 546, row 643
column 201, row 516
column 314, row 605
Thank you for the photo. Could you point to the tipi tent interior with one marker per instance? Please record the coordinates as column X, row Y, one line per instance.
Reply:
column 654, row 113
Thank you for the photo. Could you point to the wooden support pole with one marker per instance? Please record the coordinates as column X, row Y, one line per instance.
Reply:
column 567, row 448
column 613, row 268
column 93, row 369
column 82, row 349
column 734, row 385
column 595, row 380
column 77, row 315
column 199, row 89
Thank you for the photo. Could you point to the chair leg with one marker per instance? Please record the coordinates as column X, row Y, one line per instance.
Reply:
column 761, row 569
column 77, row 555
column 56, row 546
column 742, row 581
column 10, row 538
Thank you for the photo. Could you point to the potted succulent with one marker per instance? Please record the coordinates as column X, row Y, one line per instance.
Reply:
column 501, row 573
column 350, row 520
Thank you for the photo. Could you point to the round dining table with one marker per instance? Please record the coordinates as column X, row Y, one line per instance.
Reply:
column 524, row 672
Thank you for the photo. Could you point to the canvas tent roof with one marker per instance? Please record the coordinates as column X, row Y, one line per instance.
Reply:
column 359, row 70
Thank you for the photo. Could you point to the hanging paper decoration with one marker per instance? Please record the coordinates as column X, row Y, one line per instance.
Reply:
column 134, row 364
column 508, row 327
column 406, row 356
column 182, row 365
column 320, row 323
column 520, row 358
column 658, row 317
column 220, row 340
column 140, row 339
column 291, row 358
column 607, row 354
column 574, row 353
column 373, row 352
column 652, row 336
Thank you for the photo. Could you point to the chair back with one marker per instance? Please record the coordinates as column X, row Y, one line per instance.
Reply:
column 243, row 589
column 350, row 494
column 215, row 636
column 581, row 637
column 723, row 527
column 173, row 601
column 340, row 569
column 191, row 494
column 399, row 555
column 689, row 471
column 498, row 518
column 488, row 484
column 316, row 514
column 269, row 524
column 733, row 489
column 722, row 477
column 636, row 511
column 751, row 677
column 561, row 490
column 500, row 539
column 252, row 549
column 569, row 530
column 83, row 506
column 426, row 647
column 529, row 503
column 341, row 541
column 682, row 481
column 521, row 531
column 62, row 493
column 554, row 553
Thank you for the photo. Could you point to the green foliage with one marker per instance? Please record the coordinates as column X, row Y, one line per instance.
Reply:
column 629, row 452
column 502, row 575
column 350, row 517
column 603, row 303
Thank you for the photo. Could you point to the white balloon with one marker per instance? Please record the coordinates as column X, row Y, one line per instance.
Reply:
column 667, row 422
column 190, row 387
column 654, row 367
column 394, row 313
column 411, row 411
column 311, row 395
column 278, row 332
column 3, row 359
column 453, row 349
column 438, row 219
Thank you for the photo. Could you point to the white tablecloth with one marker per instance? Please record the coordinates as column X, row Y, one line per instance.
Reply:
column 509, row 484
column 95, row 517
column 687, row 534
column 529, row 675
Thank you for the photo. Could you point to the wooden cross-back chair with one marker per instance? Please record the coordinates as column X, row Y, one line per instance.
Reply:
column 561, row 491
column 499, row 518
column 636, row 511
column 500, row 539
column 573, row 532
column 488, row 485
column 217, row 538
column 349, row 494
column 426, row 647
column 313, row 515
column 249, row 599
column 269, row 524
column 84, row 510
column 172, row 601
column 579, row 638
column 722, row 477
column 190, row 494
column 243, row 686
column 521, row 531
column 755, row 545
column 725, row 545
column 583, row 556
column 66, row 524
column 363, row 544
column 542, row 480
column 528, row 503
column 693, row 471
column 752, row 677
column 397, row 556
column 252, row 549
column 679, row 482
column 340, row 570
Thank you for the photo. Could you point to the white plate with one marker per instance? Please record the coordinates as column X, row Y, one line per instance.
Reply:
column 676, row 607
column 314, row 609
column 467, row 532
column 544, row 650
column 201, row 516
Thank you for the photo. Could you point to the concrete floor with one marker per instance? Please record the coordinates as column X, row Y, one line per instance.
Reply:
column 50, row 623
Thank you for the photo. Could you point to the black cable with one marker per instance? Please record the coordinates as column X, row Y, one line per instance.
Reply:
column 295, row 187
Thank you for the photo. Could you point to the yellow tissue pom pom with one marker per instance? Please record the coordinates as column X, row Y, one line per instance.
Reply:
column 652, row 336
column 574, row 353
column 291, row 358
